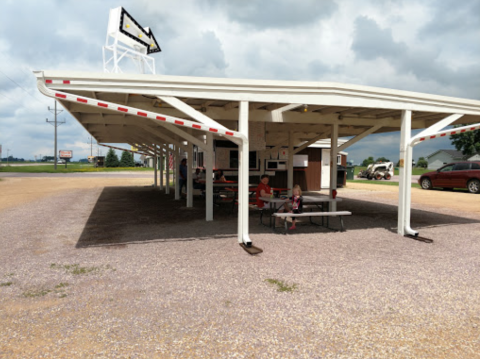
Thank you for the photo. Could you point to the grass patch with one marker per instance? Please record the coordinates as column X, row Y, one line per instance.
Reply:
column 6, row 284
column 73, row 167
column 61, row 285
column 76, row 269
column 282, row 286
column 36, row 293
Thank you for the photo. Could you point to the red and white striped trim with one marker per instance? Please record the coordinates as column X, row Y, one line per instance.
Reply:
column 123, row 149
column 136, row 112
column 450, row 132
column 57, row 82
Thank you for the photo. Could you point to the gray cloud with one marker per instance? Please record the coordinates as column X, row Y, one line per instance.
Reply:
column 278, row 14
column 371, row 42
column 308, row 40
column 201, row 54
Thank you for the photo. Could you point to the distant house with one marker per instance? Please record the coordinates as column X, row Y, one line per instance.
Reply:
column 442, row 157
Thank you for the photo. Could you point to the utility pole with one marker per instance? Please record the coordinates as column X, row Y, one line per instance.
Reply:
column 91, row 146
column 55, row 124
column 8, row 151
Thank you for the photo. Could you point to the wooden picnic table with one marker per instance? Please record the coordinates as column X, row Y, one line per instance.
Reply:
column 319, row 201
column 277, row 190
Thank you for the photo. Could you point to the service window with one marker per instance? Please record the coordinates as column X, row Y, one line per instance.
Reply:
column 461, row 167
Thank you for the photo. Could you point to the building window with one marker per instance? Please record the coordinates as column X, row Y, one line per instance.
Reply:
column 339, row 159
column 252, row 159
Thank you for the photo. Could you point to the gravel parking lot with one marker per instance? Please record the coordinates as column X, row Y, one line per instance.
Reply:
column 109, row 267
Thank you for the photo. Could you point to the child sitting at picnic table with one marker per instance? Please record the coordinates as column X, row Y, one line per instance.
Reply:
column 219, row 177
column 296, row 203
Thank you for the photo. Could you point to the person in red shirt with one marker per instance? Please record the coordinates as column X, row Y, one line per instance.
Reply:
column 263, row 190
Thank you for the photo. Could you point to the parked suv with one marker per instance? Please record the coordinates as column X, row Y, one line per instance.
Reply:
column 454, row 175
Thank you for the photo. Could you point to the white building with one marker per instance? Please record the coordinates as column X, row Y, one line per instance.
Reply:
column 443, row 157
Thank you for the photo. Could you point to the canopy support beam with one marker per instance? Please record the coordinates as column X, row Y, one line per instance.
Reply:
column 243, row 236
column 405, row 169
column 333, row 165
column 209, row 177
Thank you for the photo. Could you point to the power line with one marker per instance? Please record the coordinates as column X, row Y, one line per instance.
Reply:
column 17, row 103
column 16, row 83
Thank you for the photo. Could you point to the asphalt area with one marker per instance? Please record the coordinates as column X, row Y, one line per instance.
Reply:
column 109, row 267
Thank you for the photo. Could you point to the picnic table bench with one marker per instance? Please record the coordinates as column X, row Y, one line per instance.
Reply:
column 338, row 214
column 309, row 202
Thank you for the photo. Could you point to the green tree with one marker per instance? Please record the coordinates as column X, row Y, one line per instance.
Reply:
column 382, row 159
column 112, row 159
column 368, row 161
column 126, row 160
column 422, row 162
column 467, row 142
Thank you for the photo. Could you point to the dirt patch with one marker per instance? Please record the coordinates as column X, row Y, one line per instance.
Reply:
column 17, row 191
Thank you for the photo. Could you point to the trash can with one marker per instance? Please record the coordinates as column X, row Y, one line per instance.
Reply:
column 350, row 172
column 340, row 176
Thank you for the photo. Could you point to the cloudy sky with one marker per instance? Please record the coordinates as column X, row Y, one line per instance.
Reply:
column 425, row 46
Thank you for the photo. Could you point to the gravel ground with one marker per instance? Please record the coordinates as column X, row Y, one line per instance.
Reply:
column 123, row 272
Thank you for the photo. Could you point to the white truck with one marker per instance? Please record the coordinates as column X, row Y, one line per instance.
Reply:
column 377, row 171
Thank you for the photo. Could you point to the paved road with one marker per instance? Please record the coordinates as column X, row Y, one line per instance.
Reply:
column 394, row 179
column 124, row 174
column 4, row 163
column 120, row 174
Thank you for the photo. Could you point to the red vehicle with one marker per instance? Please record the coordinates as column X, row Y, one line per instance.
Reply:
column 454, row 175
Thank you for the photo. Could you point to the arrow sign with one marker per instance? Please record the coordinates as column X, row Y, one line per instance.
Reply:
column 132, row 29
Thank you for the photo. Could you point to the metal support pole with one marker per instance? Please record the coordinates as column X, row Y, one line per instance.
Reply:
column 333, row 164
column 209, row 177
column 243, row 157
column 290, row 163
column 189, row 175
column 155, row 160
column 162, row 163
column 405, row 186
column 55, row 146
column 177, row 174
column 167, row 185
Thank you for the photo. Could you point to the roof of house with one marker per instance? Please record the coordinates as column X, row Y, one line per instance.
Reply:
column 456, row 155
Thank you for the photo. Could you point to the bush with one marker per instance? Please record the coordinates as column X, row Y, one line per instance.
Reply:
column 422, row 163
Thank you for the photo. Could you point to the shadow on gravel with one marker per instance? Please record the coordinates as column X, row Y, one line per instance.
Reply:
column 141, row 214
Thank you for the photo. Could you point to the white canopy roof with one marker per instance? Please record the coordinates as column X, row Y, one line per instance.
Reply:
column 355, row 108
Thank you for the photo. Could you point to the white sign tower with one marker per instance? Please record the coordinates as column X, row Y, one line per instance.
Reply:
column 127, row 39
